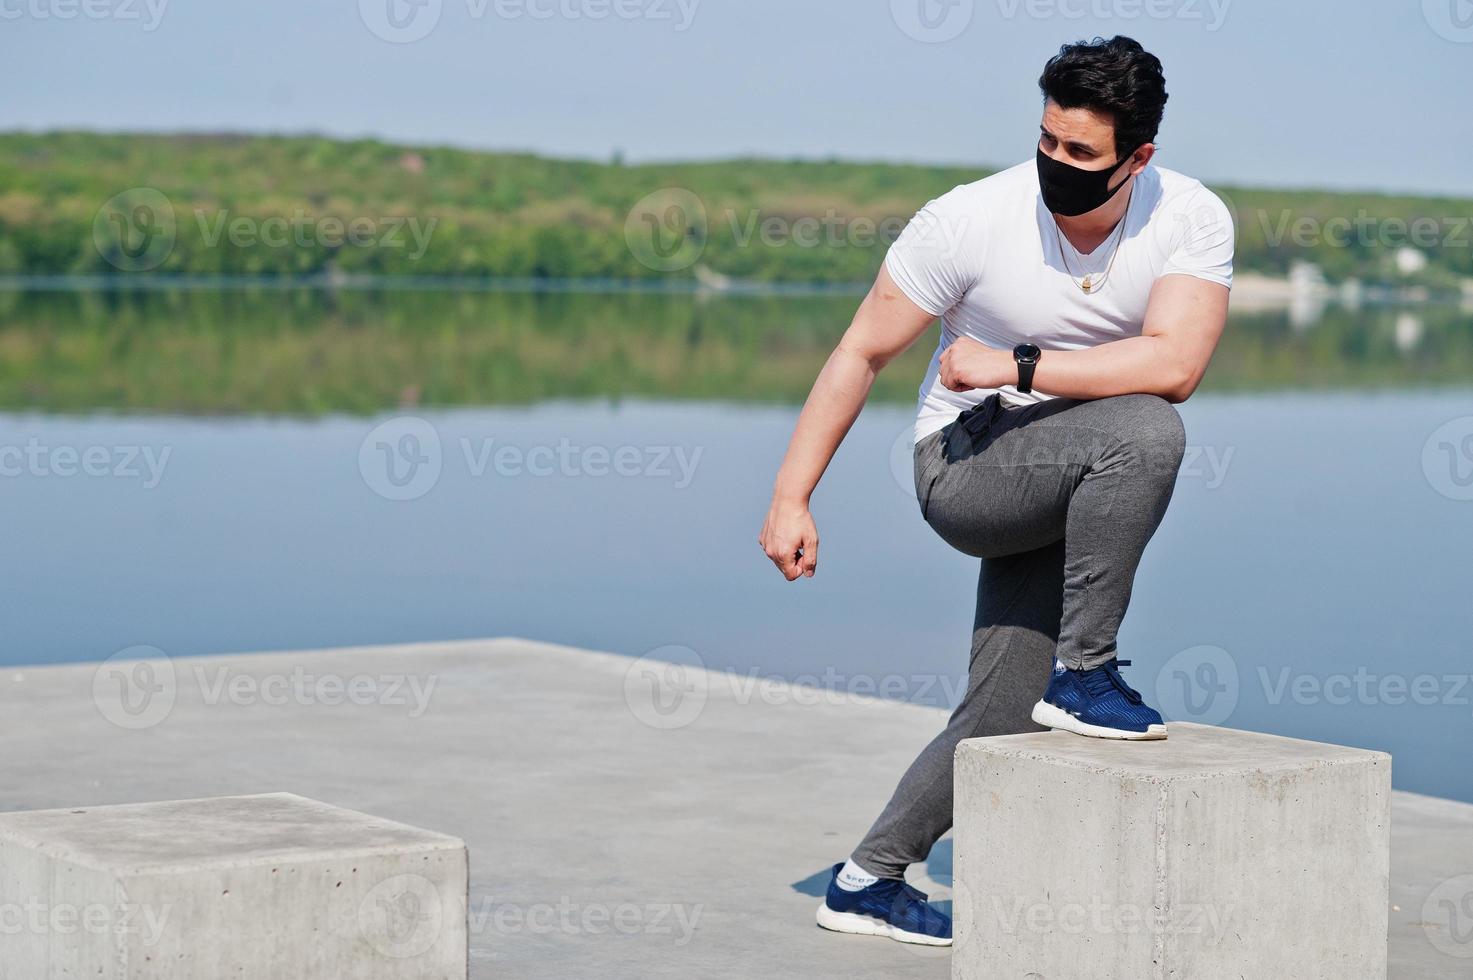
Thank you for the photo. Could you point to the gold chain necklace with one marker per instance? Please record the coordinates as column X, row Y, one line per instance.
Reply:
column 1090, row 284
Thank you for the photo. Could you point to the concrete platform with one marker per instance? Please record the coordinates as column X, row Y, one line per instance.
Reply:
column 1214, row 854
column 271, row 884
column 613, row 832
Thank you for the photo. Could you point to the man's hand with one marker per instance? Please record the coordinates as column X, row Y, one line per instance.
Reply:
column 790, row 539
column 966, row 364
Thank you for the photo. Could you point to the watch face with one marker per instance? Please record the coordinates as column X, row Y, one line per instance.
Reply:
column 1026, row 352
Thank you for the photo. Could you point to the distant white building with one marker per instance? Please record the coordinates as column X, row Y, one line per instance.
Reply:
column 1308, row 294
column 1408, row 332
column 1410, row 261
column 1306, row 278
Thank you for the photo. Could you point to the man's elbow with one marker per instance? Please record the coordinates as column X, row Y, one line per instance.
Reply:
column 873, row 358
column 1179, row 388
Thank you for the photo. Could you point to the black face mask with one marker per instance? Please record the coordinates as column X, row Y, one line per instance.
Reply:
column 1069, row 191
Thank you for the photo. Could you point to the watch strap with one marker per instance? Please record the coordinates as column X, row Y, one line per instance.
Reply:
column 1025, row 375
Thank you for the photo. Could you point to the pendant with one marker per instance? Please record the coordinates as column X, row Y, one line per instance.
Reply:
column 1087, row 285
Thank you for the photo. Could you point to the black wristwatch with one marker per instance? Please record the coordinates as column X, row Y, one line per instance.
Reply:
column 1027, row 356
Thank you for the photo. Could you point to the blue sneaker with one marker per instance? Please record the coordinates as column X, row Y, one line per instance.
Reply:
column 1097, row 703
column 886, row 908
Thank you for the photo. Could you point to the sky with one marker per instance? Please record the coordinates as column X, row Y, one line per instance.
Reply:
column 1353, row 94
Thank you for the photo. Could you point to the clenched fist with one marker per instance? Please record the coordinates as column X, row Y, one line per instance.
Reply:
column 966, row 364
column 790, row 539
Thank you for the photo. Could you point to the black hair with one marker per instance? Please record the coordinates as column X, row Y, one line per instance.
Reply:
column 1117, row 77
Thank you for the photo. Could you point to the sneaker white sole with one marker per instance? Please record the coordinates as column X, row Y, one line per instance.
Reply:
column 867, row 925
column 1052, row 716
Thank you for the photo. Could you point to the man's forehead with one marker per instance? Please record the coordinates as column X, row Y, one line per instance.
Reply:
column 1078, row 125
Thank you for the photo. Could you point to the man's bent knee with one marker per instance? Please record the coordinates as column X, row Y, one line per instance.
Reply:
column 1155, row 428
column 1150, row 429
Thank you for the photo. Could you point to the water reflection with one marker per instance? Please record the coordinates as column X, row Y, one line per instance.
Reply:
column 311, row 351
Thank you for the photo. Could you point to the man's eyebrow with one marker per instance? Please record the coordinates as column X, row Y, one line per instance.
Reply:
column 1074, row 143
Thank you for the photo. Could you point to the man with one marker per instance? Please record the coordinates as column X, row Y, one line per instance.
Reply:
column 1081, row 294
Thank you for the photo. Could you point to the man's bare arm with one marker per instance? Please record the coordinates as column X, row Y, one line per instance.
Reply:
column 1185, row 317
column 885, row 325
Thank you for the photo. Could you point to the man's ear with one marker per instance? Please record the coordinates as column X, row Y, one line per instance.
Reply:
column 1141, row 157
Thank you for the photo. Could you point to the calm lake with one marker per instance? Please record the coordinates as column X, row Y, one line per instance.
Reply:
column 216, row 471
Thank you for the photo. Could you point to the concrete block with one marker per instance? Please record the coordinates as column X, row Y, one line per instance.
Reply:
column 275, row 887
column 1213, row 855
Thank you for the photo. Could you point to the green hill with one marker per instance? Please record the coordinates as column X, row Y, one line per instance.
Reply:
column 189, row 205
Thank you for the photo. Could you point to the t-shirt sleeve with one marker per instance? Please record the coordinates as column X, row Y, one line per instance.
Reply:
column 1204, row 246
column 930, row 258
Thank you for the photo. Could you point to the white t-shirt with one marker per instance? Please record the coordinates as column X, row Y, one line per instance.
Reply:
column 985, row 257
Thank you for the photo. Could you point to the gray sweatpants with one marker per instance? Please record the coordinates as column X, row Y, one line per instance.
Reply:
column 1058, row 499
